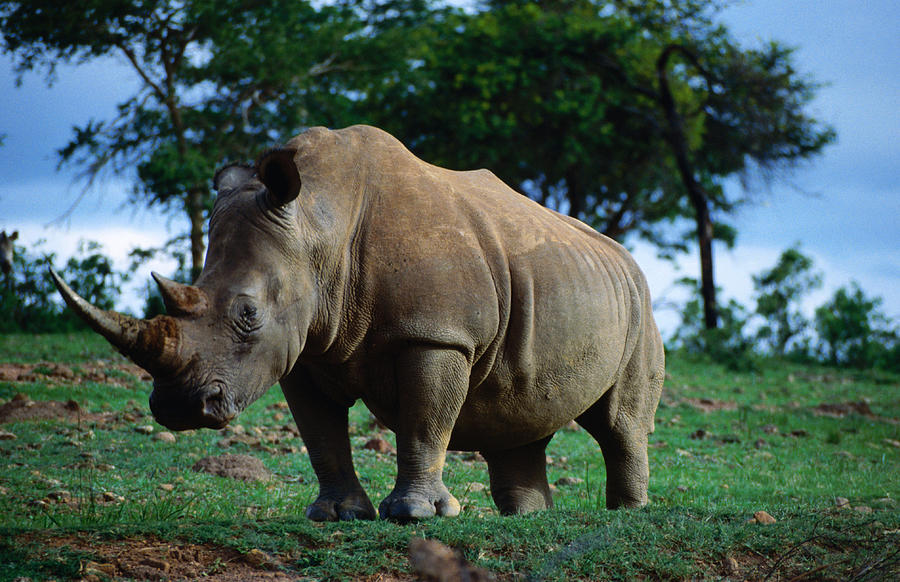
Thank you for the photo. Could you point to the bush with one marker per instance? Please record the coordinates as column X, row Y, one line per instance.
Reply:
column 29, row 301
column 853, row 332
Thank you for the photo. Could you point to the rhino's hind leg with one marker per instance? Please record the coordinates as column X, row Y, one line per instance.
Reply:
column 323, row 426
column 621, row 420
column 519, row 478
column 433, row 384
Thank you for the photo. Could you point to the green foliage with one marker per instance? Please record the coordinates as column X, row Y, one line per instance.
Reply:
column 29, row 301
column 853, row 331
column 561, row 100
column 778, row 294
column 728, row 344
column 219, row 81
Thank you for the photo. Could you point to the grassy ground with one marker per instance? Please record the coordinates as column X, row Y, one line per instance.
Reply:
column 88, row 496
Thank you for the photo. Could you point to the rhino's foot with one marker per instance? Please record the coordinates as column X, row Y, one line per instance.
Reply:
column 327, row 508
column 413, row 505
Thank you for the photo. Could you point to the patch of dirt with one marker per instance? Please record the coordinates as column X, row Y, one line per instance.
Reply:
column 240, row 467
column 153, row 559
column 100, row 372
column 844, row 409
column 23, row 408
column 710, row 405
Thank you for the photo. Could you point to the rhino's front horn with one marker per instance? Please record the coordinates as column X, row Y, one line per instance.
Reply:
column 181, row 300
column 151, row 344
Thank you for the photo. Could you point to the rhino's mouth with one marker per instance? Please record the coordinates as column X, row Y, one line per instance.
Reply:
column 180, row 409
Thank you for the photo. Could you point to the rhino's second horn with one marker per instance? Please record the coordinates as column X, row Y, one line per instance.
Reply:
column 151, row 344
column 179, row 299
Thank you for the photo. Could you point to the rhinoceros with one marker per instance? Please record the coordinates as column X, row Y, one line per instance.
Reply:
column 6, row 251
column 464, row 315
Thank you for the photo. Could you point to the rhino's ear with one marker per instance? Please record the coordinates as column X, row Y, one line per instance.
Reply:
column 230, row 177
column 278, row 171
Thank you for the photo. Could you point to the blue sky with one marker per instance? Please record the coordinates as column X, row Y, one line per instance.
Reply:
column 843, row 207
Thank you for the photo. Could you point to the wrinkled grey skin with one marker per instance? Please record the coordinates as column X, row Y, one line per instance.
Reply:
column 464, row 315
column 6, row 251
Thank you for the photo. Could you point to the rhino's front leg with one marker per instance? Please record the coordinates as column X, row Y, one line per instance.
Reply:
column 431, row 387
column 323, row 426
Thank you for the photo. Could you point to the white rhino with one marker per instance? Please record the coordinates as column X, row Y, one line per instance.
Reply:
column 463, row 314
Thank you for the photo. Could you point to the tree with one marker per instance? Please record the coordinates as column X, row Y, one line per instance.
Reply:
column 220, row 80
column 778, row 294
column 629, row 115
column 854, row 332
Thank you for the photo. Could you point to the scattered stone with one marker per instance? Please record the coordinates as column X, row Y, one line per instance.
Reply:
column 683, row 453
column 762, row 517
column 475, row 487
column 167, row 487
column 841, row 503
column 799, row 432
column 165, row 437
column 864, row 509
column 769, row 429
column 257, row 558
column 892, row 442
column 379, row 445
column 110, row 497
column 155, row 563
column 731, row 566
column 568, row 481
column 240, row 467
column 144, row 429
column 437, row 563
column 699, row 434
column 7, row 436
column 682, row 488
column 95, row 568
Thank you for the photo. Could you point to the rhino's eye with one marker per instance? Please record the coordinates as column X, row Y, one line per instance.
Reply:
column 245, row 319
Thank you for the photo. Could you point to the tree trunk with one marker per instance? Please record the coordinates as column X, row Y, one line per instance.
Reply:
column 198, row 248
column 696, row 194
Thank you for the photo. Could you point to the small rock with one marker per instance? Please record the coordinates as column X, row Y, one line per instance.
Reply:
column 842, row 503
column 682, row 488
column 257, row 558
column 699, row 434
column 110, row 497
column 769, row 429
column 379, row 445
column 864, row 509
column 7, row 436
column 157, row 564
column 435, row 561
column 241, row 467
column 145, row 429
column 475, row 487
column 799, row 432
column 567, row 481
column 165, row 437
column 762, row 517
column 96, row 568
column 731, row 566
column 167, row 487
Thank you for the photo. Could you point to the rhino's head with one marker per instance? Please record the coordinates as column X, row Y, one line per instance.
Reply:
column 241, row 327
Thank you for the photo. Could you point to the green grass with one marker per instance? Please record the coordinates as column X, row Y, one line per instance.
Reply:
column 762, row 445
